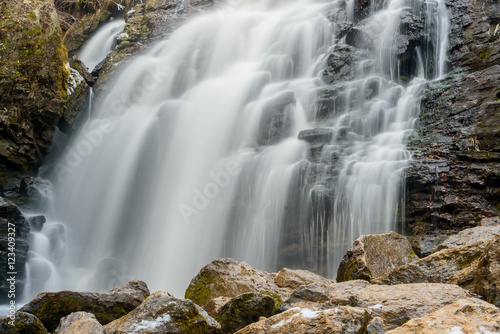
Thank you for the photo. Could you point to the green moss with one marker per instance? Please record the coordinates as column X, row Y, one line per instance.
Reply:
column 466, row 261
column 199, row 292
column 484, row 53
column 277, row 298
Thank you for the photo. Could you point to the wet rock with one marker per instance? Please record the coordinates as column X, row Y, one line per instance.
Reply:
column 372, row 256
column 363, row 8
column 487, row 274
column 426, row 244
column 36, row 223
column 244, row 310
column 397, row 304
column 342, row 319
column 33, row 80
column 276, row 119
column 289, row 278
column 51, row 307
column 14, row 231
column 229, row 278
column 79, row 323
column 163, row 313
column 317, row 135
column 78, row 91
column 24, row 323
column 463, row 316
column 346, row 62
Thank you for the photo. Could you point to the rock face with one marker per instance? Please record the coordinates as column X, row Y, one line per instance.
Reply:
column 162, row 313
column 33, row 80
column 371, row 256
column 14, row 231
column 79, row 323
column 463, row 316
column 24, row 323
column 50, row 307
column 487, row 274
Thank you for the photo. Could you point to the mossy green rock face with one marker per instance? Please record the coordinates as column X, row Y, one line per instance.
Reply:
column 244, row 310
column 24, row 323
column 51, row 307
column 33, row 80
column 163, row 313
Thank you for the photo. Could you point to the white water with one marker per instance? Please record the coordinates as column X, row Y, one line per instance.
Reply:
column 103, row 41
column 173, row 169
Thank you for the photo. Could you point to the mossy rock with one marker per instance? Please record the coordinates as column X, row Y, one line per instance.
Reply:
column 23, row 323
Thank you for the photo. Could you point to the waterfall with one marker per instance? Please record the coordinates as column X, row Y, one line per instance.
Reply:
column 194, row 152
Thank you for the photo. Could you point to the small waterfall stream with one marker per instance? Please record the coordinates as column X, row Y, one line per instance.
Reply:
column 194, row 153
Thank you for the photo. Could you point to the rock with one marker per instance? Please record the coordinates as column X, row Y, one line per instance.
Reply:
column 289, row 278
column 244, row 310
column 78, row 91
column 229, row 278
column 215, row 305
column 372, row 256
column 463, row 316
column 317, row 135
column 426, row 244
column 342, row 319
column 14, row 232
column 163, row 313
column 79, row 323
column 397, row 304
column 51, row 307
column 36, row 223
column 276, row 119
column 344, row 61
column 33, row 80
column 24, row 323
column 454, row 263
column 376, row 326
column 487, row 274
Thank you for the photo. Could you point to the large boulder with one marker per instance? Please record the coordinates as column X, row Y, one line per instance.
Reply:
column 51, row 307
column 23, row 323
column 33, row 81
column 294, row 278
column 372, row 256
column 463, row 316
column 79, row 323
column 487, row 274
column 163, row 313
column 14, row 231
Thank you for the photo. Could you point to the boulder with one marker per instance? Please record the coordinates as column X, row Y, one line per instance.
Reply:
column 344, row 61
column 341, row 319
column 487, row 274
column 78, row 91
column 397, row 304
column 33, row 81
column 163, row 313
column 24, row 323
column 480, row 235
column 426, row 244
column 215, row 305
column 462, row 316
column 289, row 278
column 51, row 307
column 372, row 256
column 229, row 278
column 14, row 232
column 244, row 310
column 79, row 323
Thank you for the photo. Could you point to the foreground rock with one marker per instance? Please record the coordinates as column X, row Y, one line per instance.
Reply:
column 463, row 316
column 24, row 323
column 487, row 274
column 163, row 313
column 79, row 323
column 372, row 256
column 50, row 307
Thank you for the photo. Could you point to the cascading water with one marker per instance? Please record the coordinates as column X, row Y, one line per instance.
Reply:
column 193, row 154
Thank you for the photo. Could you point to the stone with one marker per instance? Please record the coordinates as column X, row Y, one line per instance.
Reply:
column 36, row 223
column 215, row 305
column 244, row 310
column 376, row 326
column 163, row 313
column 426, row 244
column 462, row 316
column 371, row 256
column 51, row 307
column 341, row 319
column 276, row 120
column 229, row 278
column 344, row 61
column 78, row 91
column 487, row 274
column 14, row 232
column 33, row 82
column 289, row 278
column 480, row 235
column 24, row 323
column 79, row 323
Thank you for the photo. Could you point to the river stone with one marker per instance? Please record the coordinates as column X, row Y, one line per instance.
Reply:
column 229, row 278
column 79, row 323
column 462, row 316
column 163, row 313
column 244, row 310
column 342, row 319
column 487, row 274
column 372, row 256
column 24, row 323
column 51, row 307
column 397, row 304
